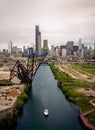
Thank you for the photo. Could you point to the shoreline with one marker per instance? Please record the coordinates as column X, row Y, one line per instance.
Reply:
column 10, row 115
column 65, row 83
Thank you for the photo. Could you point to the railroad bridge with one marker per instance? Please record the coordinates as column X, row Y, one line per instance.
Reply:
column 26, row 73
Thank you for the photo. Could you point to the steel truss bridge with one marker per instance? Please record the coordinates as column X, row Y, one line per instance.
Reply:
column 26, row 73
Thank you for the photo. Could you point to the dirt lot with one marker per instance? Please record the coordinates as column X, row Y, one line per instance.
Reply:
column 87, row 92
column 4, row 75
column 77, row 75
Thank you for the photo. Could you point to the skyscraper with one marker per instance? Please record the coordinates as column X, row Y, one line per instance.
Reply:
column 52, row 51
column 69, row 45
column 61, row 48
column 94, row 50
column 45, row 44
column 37, row 41
column 10, row 47
column 30, row 51
column 80, row 44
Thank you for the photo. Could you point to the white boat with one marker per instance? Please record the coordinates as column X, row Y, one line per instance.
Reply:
column 46, row 112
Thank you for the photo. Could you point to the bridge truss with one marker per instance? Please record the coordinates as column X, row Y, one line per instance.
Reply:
column 26, row 73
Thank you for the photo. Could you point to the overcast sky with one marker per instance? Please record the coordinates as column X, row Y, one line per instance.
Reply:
column 59, row 21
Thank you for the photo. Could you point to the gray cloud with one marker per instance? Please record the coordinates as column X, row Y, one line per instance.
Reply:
column 59, row 20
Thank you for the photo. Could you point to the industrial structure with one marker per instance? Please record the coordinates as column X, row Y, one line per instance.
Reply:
column 26, row 73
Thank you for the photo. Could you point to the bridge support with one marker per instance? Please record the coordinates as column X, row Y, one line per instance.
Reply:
column 26, row 74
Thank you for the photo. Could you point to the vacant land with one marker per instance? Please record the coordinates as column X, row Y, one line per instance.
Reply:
column 87, row 69
column 91, row 118
column 79, row 71
column 79, row 91
column 84, row 68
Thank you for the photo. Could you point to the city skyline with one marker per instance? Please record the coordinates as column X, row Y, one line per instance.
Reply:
column 59, row 21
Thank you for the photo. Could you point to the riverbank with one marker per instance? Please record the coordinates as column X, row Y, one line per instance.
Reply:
column 45, row 94
column 71, row 87
column 9, row 120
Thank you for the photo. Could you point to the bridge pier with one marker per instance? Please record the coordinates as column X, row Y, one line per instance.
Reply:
column 26, row 74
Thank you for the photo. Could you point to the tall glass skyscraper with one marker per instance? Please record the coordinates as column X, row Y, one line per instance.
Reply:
column 37, row 41
column 80, row 44
column 10, row 47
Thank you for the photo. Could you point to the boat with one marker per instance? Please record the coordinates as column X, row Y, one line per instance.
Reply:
column 46, row 112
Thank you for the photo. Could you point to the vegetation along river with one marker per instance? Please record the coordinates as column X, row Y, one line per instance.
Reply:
column 63, row 115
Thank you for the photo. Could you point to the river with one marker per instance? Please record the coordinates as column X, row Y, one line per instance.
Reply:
column 63, row 115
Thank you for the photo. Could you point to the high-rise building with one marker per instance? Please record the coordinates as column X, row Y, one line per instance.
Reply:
column 94, row 50
column 57, row 50
column 52, row 51
column 64, row 52
column 85, row 53
column 5, row 51
column 62, row 47
column 30, row 51
column 39, row 44
column 69, row 45
column 14, row 49
column 80, row 44
column 37, row 41
column 45, row 44
column 75, row 48
column 10, row 47
column 23, row 49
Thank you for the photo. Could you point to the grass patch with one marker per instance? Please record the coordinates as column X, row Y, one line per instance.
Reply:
column 91, row 118
column 89, row 68
column 70, row 88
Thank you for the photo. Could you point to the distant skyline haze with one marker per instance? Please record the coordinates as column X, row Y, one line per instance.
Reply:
column 59, row 21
